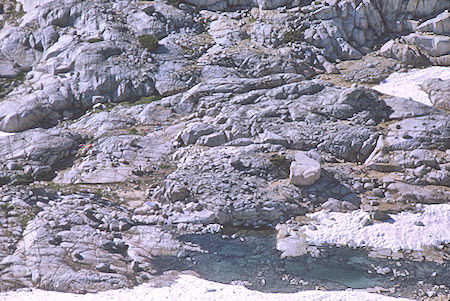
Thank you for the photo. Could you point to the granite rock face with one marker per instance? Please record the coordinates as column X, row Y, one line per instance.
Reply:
column 240, row 114
column 81, row 244
column 78, row 53
column 37, row 154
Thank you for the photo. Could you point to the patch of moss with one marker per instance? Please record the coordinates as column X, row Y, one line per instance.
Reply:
column 95, row 40
column 25, row 218
column 19, row 77
column 144, row 100
column 165, row 166
column 278, row 160
column 147, row 99
column 292, row 36
column 4, row 180
column 174, row 3
column 133, row 131
column 251, row 20
column 5, row 207
column 149, row 42
column 24, row 179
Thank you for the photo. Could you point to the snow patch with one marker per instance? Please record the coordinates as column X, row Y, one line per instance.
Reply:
column 400, row 232
column 407, row 84
column 188, row 287
column 2, row 134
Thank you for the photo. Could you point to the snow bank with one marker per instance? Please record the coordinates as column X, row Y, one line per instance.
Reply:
column 188, row 287
column 399, row 233
column 407, row 84
column 5, row 134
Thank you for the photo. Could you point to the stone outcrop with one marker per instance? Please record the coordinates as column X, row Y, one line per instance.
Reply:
column 240, row 114
column 81, row 53
column 68, row 246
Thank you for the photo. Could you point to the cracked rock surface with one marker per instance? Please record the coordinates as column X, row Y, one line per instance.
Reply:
column 126, row 124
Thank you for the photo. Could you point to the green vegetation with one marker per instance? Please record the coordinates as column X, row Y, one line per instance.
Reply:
column 95, row 40
column 174, row 3
column 149, row 42
column 4, row 180
column 147, row 100
column 278, row 160
column 5, row 207
column 133, row 131
column 13, row 17
column 292, row 36
column 19, row 77
column 108, row 107
column 25, row 218
column 24, row 179
column 164, row 166
column 251, row 19
column 143, row 101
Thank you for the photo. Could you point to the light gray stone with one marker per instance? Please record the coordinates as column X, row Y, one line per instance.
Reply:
column 439, row 25
column 304, row 170
column 194, row 131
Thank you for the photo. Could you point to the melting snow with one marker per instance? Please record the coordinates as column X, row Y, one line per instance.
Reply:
column 187, row 288
column 400, row 232
column 407, row 84
column 5, row 134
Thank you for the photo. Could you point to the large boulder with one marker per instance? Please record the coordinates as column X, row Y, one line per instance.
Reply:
column 434, row 45
column 438, row 25
column 403, row 52
column 194, row 131
column 304, row 170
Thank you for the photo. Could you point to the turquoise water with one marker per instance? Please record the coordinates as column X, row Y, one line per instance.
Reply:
column 255, row 262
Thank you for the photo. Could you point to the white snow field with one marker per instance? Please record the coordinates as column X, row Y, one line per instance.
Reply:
column 190, row 288
column 401, row 232
column 407, row 84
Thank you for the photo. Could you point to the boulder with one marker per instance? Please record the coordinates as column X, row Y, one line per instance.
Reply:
column 214, row 139
column 434, row 45
column 304, row 170
column 438, row 25
column 333, row 205
column 403, row 52
column 194, row 131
